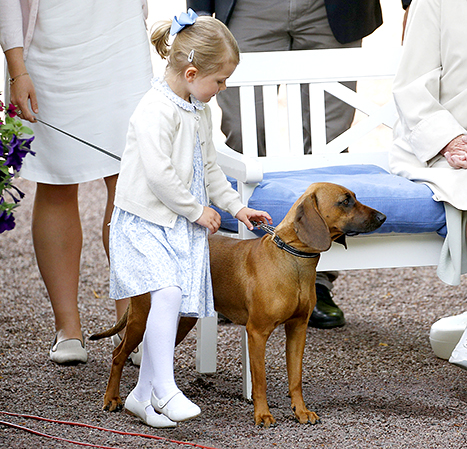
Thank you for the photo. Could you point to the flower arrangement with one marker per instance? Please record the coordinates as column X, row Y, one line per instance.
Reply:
column 13, row 150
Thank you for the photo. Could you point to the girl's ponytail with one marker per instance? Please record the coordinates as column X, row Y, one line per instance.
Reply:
column 160, row 38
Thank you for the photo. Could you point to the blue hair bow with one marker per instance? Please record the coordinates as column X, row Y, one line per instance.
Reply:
column 184, row 20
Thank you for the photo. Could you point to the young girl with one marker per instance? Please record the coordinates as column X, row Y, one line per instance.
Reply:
column 159, row 227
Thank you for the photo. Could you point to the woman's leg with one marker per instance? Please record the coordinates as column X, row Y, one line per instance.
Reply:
column 111, row 182
column 57, row 238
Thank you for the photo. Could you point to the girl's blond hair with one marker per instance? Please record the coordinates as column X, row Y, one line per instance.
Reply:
column 207, row 45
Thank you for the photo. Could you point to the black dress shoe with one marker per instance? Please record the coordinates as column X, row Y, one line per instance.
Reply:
column 326, row 313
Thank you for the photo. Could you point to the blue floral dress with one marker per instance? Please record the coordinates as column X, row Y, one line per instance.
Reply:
column 146, row 257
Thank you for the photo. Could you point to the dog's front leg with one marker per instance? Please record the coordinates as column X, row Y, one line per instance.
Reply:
column 257, row 347
column 295, row 331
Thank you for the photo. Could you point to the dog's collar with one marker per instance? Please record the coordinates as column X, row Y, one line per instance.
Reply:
column 281, row 244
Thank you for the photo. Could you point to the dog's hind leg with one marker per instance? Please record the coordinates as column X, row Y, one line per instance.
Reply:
column 184, row 326
column 137, row 316
column 295, row 331
column 112, row 399
column 138, row 311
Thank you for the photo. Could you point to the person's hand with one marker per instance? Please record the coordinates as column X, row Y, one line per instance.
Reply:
column 455, row 152
column 246, row 214
column 22, row 91
column 210, row 219
column 23, row 94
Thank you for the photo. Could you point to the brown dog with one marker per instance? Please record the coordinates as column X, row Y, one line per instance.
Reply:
column 257, row 283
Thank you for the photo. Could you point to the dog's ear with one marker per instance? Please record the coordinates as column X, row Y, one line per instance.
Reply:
column 310, row 226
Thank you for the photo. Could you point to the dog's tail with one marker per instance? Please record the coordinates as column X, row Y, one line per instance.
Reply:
column 114, row 329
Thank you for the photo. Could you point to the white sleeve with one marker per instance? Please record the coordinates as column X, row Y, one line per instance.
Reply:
column 429, row 125
column 11, row 24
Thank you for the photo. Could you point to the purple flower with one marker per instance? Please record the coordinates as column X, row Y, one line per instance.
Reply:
column 18, row 191
column 7, row 221
column 17, row 150
column 13, row 150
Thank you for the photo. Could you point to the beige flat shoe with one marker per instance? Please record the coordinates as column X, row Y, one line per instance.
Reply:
column 68, row 352
column 446, row 333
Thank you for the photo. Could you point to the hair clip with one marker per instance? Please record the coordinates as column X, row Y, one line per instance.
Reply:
column 184, row 20
column 191, row 56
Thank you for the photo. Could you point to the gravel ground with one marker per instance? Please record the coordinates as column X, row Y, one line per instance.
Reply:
column 375, row 382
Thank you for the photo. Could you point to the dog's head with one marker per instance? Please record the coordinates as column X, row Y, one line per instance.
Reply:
column 328, row 212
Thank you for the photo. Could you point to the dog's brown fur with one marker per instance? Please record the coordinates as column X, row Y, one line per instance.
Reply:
column 258, row 285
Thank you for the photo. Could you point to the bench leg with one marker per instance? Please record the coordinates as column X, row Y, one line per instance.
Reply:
column 206, row 345
column 206, row 351
column 246, row 373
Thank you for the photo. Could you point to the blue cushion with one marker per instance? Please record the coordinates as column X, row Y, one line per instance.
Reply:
column 409, row 206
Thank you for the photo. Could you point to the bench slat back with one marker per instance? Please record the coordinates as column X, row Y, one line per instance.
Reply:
column 279, row 75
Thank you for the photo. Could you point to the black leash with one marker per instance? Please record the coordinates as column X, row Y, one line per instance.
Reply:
column 281, row 244
column 108, row 153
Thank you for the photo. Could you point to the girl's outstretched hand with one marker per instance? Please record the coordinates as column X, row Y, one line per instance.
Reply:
column 246, row 214
column 210, row 219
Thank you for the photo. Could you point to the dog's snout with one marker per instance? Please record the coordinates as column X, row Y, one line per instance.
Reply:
column 368, row 220
column 380, row 218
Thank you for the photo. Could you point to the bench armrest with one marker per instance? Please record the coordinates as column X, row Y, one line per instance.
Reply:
column 245, row 169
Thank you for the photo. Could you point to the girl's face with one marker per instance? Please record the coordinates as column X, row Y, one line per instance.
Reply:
column 204, row 87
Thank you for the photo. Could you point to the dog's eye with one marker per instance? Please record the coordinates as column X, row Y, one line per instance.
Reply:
column 348, row 201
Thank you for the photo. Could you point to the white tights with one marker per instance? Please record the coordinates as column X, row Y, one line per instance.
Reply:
column 157, row 363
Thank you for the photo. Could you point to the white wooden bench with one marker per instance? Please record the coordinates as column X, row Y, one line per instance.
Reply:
column 322, row 70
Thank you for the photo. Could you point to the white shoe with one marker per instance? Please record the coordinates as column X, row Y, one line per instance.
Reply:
column 176, row 406
column 68, row 352
column 138, row 409
column 461, row 363
column 446, row 333
column 459, row 355
column 135, row 355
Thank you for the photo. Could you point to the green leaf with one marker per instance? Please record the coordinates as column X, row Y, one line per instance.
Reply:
column 26, row 130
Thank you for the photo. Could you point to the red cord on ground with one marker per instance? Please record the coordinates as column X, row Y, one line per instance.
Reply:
column 39, row 418
column 27, row 429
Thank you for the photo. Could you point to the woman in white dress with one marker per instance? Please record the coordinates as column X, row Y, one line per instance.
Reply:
column 82, row 67
column 430, row 138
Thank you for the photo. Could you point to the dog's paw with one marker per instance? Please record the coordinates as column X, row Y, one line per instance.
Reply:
column 307, row 417
column 113, row 405
column 265, row 420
